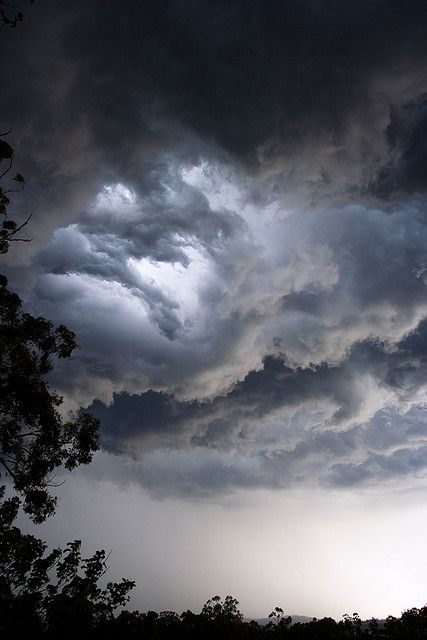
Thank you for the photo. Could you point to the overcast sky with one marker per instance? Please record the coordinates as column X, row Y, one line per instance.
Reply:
column 229, row 210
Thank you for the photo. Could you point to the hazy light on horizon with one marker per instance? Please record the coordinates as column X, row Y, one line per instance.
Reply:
column 312, row 552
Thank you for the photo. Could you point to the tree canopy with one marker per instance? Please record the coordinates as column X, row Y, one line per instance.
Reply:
column 54, row 594
column 10, row 14
column 35, row 441
column 43, row 594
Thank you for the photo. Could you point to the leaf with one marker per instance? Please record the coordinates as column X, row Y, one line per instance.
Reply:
column 10, row 225
column 6, row 151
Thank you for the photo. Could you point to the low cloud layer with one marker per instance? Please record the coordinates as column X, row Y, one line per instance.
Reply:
column 229, row 207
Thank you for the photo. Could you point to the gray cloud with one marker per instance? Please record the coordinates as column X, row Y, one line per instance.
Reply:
column 303, row 91
column 229, row 210
column 406, row 135
column 280, row 427
column 390, row 448
column 306, row 286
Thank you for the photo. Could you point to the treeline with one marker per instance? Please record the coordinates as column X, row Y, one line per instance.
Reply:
column 222, row 620
column 83, row 613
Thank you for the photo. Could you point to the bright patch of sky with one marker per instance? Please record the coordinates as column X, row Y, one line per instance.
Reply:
column 181, row 284
column 114, row 197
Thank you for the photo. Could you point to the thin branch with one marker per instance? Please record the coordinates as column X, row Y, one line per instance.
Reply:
column 20, row 240
column 107, row 566
column 15, row 190
column 24, row 224
column 8, row 169
column 11, row 238
column 29, row 433
column 8, row 469
column 55, row 484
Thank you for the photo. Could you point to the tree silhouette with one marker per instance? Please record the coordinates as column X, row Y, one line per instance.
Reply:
column 42, row 594
column 10, row 14
column 10, row 230
column 279, row 622
column 34, row 438
column 55, row 594
column 222, row 610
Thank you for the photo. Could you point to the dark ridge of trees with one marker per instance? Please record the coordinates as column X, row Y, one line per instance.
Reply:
column 227, row 623
column 73, row 607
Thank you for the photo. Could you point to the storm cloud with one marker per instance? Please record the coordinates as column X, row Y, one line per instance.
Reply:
column 229, row 210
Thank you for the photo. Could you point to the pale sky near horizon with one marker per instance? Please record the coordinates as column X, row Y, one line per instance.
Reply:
column 312, row 552
column 229, row 209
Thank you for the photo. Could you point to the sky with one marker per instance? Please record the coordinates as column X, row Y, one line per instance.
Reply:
column 229, row 209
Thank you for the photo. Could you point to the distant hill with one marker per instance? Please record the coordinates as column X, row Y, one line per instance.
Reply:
column 263, row 621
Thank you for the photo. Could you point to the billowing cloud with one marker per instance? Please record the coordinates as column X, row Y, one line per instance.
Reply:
column 305, row 286
column 229, row 209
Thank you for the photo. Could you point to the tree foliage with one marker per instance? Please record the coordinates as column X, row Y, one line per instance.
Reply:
column 35, row 440
column 212, row 624
column 55, row 594
column 10, row 230
column 42, row 594
column 10, row 14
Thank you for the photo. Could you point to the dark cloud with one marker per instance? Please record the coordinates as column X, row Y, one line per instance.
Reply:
column 390, row 449
column 308, row 288
column 109, row 93
column 380, row 467
column 407, row 136
column 229, row 205
column 264, row 433
column 244, row 73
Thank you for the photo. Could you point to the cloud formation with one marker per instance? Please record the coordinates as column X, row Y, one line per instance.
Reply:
column 230, row 206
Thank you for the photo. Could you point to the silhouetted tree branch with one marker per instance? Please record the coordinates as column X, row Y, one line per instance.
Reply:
column 51, row 594
column 11, row 14
column 34, row 438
